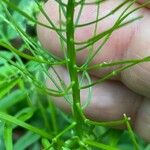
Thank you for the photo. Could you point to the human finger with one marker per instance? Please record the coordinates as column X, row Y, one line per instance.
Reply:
column 116, row 48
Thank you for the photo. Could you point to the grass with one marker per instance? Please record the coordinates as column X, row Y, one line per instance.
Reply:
column 28, row 117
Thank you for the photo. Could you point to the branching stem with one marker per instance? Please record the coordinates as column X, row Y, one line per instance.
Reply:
column 71, row 52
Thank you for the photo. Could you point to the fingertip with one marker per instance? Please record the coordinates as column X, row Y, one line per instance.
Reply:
column 137, row 77
column 109, row 101
column 142, row 123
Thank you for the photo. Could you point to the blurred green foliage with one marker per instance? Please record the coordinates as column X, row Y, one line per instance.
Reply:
column 25, row 102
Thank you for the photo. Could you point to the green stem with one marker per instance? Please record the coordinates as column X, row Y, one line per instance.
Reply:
column 115, row 63
column 99, row 145
column 131, row 133
column 110, row 75
column 52, row 109
column 64, row 131
column 107, row 123
column 28, row 57
column 72, row 64
column 55, row 139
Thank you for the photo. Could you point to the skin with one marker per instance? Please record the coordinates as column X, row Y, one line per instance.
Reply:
column 128, row 92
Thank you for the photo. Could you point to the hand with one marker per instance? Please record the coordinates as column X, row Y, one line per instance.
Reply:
column 127, row 93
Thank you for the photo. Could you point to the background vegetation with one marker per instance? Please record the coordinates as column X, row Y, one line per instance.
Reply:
column 28, row 119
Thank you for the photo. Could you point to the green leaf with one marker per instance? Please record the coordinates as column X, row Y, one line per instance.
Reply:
column 46, row 143
column 29, row 127
column 26, row 140
column 7, row 86
column 12, row 99
column 9, row 55
column 8, row 136
column 6, row 72
column 24, row 115
column 112, row 136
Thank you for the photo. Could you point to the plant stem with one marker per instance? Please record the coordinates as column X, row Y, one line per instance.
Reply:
column 71, row 52
column 100, row 145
